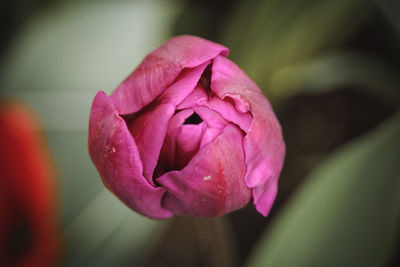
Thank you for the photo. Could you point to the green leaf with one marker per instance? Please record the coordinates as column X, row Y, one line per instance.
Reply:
column 336, row 70
column 348, row 211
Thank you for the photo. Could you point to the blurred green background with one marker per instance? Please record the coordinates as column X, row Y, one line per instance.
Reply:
column 331, row 69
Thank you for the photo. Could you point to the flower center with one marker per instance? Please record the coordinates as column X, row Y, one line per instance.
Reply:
column 193, row 119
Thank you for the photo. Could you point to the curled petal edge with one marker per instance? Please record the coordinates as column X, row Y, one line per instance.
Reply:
column 160, row 68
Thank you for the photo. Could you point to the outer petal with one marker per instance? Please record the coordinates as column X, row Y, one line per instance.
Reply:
column 264, row 146
column 212, row 183
column 160, row 68
column 115, row 154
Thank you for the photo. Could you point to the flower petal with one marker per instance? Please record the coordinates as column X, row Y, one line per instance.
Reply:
column 212, row 118
column 160, row 68
column 168, row 151
column 212, row 183
column 264, row 146
column 199, row 97
column 116, row 156
column 209, row 135
column 183, row 86
column 196, row 98
column 149, row 129
column 264, row 195
column 230, row 113
column 187, row 143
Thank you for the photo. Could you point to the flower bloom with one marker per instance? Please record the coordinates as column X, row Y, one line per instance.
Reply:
column 29, row 234
column 187, row 132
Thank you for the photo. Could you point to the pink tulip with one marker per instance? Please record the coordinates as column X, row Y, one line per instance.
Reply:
column 188, row 132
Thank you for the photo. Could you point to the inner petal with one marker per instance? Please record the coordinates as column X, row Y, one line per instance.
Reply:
column 182, row 141
column 187, row 143
column 227, row 108
column 149, row 128
column 212, row 118
column 196, row 98
column 168, row 150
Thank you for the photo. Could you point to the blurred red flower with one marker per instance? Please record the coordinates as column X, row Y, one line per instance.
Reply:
column 29, row 233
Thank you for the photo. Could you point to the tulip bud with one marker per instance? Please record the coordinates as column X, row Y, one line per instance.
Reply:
column 188, row 132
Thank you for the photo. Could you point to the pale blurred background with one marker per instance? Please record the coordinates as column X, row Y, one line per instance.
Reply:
column 332, row 72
